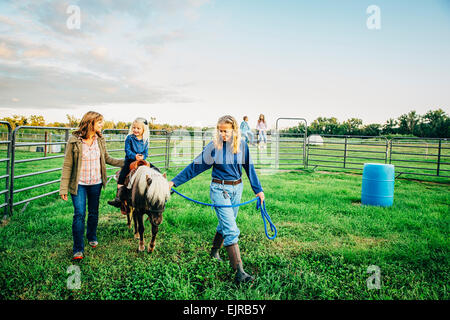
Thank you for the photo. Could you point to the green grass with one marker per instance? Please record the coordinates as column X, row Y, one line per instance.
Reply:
column 326, row 241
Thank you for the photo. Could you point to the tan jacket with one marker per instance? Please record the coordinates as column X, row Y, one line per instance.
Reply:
column 72, row 164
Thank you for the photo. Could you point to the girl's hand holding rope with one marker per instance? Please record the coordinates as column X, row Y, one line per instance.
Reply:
column 261, row 196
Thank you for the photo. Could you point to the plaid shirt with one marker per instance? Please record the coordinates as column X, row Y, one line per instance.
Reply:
column 90, row 164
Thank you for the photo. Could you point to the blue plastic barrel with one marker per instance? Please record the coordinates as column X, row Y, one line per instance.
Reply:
column 378, row 185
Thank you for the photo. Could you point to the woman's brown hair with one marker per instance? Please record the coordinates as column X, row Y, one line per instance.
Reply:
column 87, row 124
column 263, row 118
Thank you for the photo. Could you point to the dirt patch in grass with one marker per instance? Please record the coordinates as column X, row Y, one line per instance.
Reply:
column 4, row 222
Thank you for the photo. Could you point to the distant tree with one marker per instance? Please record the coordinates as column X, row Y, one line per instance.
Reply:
column 108, row 125
column 389, row 127
column 57, row 124
column 36, row 120
column 408, row 122
column 373, row 129
column 434, row 124
column 352, row 126
column 121, row 125
column 325, row 125
column 16, row 120
column 412, row 118
column 73, row 121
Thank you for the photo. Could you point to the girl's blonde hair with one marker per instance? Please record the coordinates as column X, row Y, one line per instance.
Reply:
column 217, row 139
column 146, row 133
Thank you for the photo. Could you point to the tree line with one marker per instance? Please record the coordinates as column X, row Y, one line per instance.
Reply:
column 433, row 124
column 73, row 122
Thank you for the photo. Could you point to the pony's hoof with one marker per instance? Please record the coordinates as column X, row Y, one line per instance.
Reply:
column 150, row 249
column 140, row 250
column 136, row 236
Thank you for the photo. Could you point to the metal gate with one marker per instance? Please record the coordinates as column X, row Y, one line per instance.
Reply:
column 347, row 152
column 35, row 145
column 5, row 160
column 287, row 143
column 421, row 156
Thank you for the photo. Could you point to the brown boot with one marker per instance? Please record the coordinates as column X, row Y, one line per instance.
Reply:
column 236, row 264
column 216, row 245
column 120, row 196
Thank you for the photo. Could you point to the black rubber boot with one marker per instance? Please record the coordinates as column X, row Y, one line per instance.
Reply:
column 236, row 264
column 217, row 244
column 119, row 197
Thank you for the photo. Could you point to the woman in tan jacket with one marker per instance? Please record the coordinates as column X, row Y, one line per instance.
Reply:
column 83, row 175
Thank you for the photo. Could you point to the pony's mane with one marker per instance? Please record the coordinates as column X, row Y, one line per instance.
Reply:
column 158, row 191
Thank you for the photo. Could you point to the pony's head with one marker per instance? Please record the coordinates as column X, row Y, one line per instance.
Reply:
column 152, row 189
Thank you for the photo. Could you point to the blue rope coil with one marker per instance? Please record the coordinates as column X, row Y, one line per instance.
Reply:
column 262, row 207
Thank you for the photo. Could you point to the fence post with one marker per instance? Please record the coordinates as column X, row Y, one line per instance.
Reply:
column 11, row 184
column 8, row 165
column 305, row 136
column 390, row 150
column 345, row 151
column 168, row 150
column 439, row 156
column 277, row 149
column 387, row 149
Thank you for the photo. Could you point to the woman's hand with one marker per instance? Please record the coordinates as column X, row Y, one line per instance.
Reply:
column 170, row 185
column 139, row 157
column 261, row 196
column 64, row 197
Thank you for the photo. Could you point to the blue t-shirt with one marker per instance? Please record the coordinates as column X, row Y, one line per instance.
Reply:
column 133, row 146
column 225, row 164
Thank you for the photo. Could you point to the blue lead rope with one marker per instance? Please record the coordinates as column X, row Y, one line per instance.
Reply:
column 265, row 216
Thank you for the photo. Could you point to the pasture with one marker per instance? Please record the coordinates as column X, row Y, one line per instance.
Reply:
column 326, row 242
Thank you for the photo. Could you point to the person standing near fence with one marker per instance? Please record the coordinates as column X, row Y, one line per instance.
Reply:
column 83, row 175
column 226, row 154
column 246, row 132
column 261, row 126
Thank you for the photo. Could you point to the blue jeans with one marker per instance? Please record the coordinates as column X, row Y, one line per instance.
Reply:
column 261, row 136
column 248, row 135
column 91, row 193
column 227, row 216
column 124, row 171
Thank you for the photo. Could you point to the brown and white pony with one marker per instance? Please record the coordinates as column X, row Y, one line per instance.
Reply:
column 148, row 195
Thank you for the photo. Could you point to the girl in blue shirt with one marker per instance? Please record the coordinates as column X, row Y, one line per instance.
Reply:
column 136, row 148
column 226, row 154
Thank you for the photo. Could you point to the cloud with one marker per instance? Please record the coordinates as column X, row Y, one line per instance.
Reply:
column 6, row 52
column 110, row 59
column 47, row 87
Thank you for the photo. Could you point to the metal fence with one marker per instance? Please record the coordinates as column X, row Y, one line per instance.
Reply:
column 174, row 150
column 419, row 156
column 346, row 152
column 291, row 147
column 22, row 188
column 5, row 160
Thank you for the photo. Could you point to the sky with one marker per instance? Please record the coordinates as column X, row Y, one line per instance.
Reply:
column 188, row 62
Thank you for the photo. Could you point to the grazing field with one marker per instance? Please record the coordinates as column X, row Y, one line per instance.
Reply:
column 326, row 242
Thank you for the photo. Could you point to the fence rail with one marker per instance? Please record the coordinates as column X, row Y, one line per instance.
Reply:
column 23, row 183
